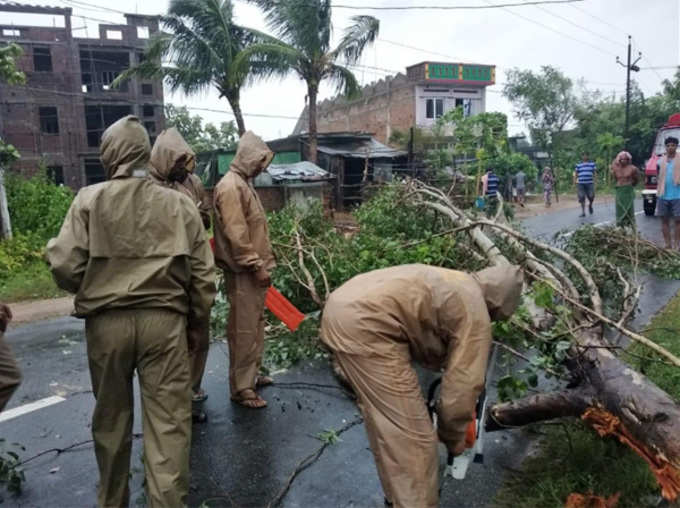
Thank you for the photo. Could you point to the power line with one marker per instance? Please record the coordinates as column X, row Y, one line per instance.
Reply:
column 196, row 108
column 555, row 15
column 563, row 34
column 451, row 7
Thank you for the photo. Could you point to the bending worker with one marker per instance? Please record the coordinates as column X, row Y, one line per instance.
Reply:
column 379, row 322
column 172, row 165
column 243, row 251
column 136, row 256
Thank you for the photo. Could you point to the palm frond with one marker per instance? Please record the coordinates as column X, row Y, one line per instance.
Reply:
column 304, row 24
column 270, row 59
column 363, row 32
column 344, row 80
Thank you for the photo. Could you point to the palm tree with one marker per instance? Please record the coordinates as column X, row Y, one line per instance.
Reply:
column 304, row 29
column 200, row 52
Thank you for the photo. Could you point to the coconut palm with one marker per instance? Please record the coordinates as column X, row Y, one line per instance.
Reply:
column 200, row 50
column 304, row 32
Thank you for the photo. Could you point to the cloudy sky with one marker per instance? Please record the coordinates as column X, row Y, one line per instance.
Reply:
column 582, row 38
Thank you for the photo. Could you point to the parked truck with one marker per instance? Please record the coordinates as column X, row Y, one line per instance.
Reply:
column 670, row 128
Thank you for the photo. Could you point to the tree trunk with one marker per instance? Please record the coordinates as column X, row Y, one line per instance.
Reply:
column 234, row 100
column 312, row 92
column 5, row 224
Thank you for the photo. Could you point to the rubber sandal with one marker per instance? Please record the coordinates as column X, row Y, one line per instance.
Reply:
column 248, row 398
column 264, row 381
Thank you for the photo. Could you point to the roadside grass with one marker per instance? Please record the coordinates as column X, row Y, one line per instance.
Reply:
column 32, row 281
column 573, row 458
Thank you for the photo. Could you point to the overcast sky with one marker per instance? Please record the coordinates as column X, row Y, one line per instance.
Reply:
column 581, row 38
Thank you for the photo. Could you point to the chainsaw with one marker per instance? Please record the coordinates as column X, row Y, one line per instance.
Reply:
column 457, row 466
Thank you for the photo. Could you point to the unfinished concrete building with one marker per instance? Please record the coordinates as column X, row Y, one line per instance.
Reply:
column 56, row 119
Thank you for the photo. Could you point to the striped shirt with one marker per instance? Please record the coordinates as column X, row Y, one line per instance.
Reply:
column 492, row 183
column 585, row 171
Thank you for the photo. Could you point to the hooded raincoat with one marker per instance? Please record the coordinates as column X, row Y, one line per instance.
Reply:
column 10, row 376
column 241, row 248
column 379, row 322
column 136, row 256
column 169, row 151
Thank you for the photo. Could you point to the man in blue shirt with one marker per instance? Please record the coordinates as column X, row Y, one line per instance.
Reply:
column 668, row 192
column 584, row 179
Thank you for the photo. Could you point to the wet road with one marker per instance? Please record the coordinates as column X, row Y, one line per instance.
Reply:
column 241, row 458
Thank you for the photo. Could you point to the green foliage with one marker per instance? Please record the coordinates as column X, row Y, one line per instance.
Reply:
column 573, row 458
column 284, row 348
column 11, row 473
column 8, row 154
column 329, row 436
column 201, row 138
column 9, row 55
column 545, row 100
column 37, row 208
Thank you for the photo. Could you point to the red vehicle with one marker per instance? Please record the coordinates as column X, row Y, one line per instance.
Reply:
column 670, row 128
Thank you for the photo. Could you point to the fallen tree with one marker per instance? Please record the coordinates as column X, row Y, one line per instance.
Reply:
column 562, row 321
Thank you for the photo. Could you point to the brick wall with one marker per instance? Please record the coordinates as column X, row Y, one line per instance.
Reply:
column 383, row 107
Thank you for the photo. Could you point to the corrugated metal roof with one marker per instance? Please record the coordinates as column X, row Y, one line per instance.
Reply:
column 303, row 171
column 361, row 149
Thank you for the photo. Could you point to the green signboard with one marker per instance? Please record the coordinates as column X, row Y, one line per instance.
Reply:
column 224, row 160
column 460, row 72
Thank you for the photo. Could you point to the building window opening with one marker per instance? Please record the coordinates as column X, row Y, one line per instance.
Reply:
column 434, row 108
column 56, row 174
column 115, row 35
column 94, row 171
column 148, row 110
column 49, row 121
column 142, row 32
column 98, row 69
column 42, row 60
column 466, row 104
column 98, row 118
column 147, row 89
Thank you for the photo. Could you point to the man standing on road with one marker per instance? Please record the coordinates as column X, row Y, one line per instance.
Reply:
column 136, row 256
column 172, row 163
column 520, row 185
column 378, row 323
column 10, row 376
column 668, row 192
column 243, row 251
column 584, row 179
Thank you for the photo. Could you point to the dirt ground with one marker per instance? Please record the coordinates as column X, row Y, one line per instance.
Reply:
column 38, row 310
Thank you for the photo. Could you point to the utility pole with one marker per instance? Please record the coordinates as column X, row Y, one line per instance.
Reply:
column 629, row 67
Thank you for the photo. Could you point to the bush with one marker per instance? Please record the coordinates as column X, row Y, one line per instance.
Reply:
column 37, row 208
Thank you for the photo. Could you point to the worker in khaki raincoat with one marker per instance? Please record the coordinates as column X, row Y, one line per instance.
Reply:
column 172, row 163
column 10, row 377
column 379, row 322
column 136, row 256
column 243, row 251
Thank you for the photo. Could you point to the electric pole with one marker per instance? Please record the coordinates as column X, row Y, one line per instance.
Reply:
column 629, row 67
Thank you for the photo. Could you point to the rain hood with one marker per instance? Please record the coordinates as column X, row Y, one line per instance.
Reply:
column 125, row 149
column 169, row 148
column 502, row 288
column 252, row 156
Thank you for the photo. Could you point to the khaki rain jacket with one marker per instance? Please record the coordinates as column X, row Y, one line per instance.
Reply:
column 443, row 315
column 241, row 233
column 129, row 243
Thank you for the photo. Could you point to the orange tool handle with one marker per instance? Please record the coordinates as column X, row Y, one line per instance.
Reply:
column 471, row 433
column 283, row 309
